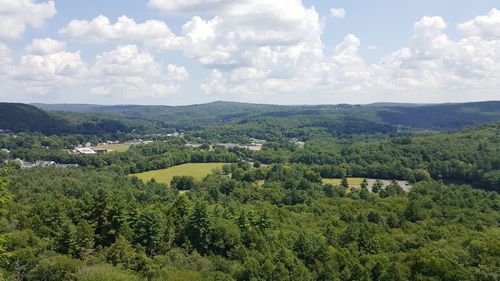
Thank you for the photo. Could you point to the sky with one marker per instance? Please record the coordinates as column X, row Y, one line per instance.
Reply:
column 175, row 52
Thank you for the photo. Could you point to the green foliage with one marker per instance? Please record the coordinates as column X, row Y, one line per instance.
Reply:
column 271, row 221
column 182, row 182
column 105, row 273
column 28, row 118
column 55, row 268
column 116, row 228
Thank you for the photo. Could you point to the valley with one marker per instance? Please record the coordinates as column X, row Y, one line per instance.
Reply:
column 228, row 191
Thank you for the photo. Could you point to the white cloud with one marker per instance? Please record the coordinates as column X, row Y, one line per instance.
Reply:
column 436, row 63
column 124, row 72
column 16, row 15
column 47, row 59
column 45, row 46
column 100, row 91
column 256, row 46
column 259, row 50
column 125, row 61
column 177, row 73
column 185, row 6
column 125, row 29
column 51, row 66
column 337, row 13
column 432, row 66
column 487, row 27
column 5, row 55
column 128, row 72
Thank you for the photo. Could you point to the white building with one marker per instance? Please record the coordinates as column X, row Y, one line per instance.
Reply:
column 40, row 163
column 85, row 150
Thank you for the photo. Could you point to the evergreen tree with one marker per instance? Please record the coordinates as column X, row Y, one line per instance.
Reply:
column 344, row 183
column 198, row 228
column 84, row 239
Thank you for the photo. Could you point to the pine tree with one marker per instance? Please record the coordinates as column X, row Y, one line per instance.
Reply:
column 84, row 239
column 149, row 229
column 198, row 228
column 66, row 238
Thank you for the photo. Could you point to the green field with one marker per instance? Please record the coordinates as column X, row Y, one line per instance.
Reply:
column 117, row 147
column 195, row 170
column 351, row 181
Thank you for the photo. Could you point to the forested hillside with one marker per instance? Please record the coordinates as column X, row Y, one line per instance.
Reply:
column 286, row 211
column 23, row 117
column 443, row 116
column 98, row 225
column 195, row 117
column 27, row 118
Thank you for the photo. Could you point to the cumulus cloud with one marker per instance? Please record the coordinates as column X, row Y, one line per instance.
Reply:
column 43, row 69
column 433, row 61
column 487, row 26
column 257, row 50
column 126, row 61
column 45, row 46
column 16, row 15
column 125, row 28
column 337, row 13
column 5, row 54
column 270, row 42
column 177, row 73
column 46, row 59
column 124, row 72
column 128, row 72
column 185, row 6
column 432, row 64
column 100, row 91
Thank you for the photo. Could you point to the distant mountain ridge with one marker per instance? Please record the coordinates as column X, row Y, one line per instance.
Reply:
column 64, row 117
column 18, row 117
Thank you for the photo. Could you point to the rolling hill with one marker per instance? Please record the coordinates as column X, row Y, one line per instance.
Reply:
column 195, row 117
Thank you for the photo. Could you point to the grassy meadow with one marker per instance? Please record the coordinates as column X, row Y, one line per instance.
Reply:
column 351, row 181
column 195, row 170
column 117, row 147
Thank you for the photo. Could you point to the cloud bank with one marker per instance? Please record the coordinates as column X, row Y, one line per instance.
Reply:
column 254, row 50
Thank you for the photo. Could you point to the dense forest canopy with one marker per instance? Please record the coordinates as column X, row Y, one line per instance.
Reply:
column 267, row 214
column 436, row 117
column 27, row 118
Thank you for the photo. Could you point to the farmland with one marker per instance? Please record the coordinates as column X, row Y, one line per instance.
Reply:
column 195, row 170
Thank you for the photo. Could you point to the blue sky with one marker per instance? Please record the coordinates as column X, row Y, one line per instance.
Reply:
column 283, row 51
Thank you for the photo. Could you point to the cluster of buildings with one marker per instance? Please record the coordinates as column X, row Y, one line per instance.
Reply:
column 89, row 151
column 175, row 135
column 139, row 141
column 298, row 142
column 255, row 145
column 8, row 133
column 40, row 163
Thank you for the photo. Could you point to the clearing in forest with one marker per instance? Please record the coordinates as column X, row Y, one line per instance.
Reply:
column 196, row 170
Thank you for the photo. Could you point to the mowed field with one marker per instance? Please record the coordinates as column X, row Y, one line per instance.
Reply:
column 195, row 170
column 117, row 147
column 351, row 181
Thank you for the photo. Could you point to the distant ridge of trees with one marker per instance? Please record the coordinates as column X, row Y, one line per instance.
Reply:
column 201, row 116
column 18, row 117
